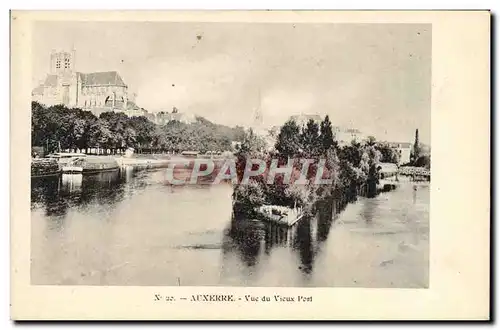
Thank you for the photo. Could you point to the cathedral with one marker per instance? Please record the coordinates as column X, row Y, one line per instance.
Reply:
column 96, row 91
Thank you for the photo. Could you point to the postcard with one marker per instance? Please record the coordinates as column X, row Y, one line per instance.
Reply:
column 250, row 165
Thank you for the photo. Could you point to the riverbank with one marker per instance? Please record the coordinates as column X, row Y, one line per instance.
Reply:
column 161, row 160
column 124, row 161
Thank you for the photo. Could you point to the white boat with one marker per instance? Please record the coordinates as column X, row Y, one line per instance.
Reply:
column 69, row 162
column 281, row 214
column 66, row 158
column 72, row 169
column 81, row 163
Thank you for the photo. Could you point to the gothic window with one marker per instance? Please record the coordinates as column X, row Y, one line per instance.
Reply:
column 66, row 63
column 58, row 64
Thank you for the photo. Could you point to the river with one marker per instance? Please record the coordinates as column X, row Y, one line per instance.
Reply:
column 129, row 227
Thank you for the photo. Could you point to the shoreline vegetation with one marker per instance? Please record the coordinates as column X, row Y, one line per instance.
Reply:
column 353, row 169
column 57, row 128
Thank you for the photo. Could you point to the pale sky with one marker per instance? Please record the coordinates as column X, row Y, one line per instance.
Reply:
column 374, row 77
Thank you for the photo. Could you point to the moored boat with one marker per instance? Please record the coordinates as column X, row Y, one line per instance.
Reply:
column 96, row 164
column 70, row 169
column 65, row 158
column 74, row 163
column 280, row 214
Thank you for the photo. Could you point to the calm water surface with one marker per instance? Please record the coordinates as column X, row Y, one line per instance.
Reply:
column 130, row 228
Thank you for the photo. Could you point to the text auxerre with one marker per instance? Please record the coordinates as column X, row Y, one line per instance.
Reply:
column 212, row 297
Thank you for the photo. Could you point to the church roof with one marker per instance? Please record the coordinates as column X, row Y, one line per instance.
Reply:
column 101, row 78
column 88, row 79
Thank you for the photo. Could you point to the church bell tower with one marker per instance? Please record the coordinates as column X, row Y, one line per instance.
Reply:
column 62, row 62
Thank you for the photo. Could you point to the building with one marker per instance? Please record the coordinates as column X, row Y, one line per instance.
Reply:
column 96, row 91
column 345, row 136
column 404, row 149
column 163, row 117
column 342, row 135
column 303, row 119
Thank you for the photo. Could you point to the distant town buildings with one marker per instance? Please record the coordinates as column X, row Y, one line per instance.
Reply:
column 164, row 117
column 404, row 149
column 345, row 136
column 302, row 119
column 95, row 91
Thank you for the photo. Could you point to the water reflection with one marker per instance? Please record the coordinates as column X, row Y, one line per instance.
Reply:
column 130, row 227
column 369, row 210
column 252, row 239
column 58, row 193
column 72, row 183
column 245, row 238
column 303, row 244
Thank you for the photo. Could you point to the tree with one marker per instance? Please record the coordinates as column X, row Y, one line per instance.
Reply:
column 252, row 145
column 370, row 158
column 350, row 177
column 60, row 127
column 288, row 143
column 352, row 153
column 369, row 165
column 423, row 161
column 247, row 197
column 238, row 134
column 117, row 124
column 100, row 134
column 326, row 134
column 416, row 148
column 139, row 132
column 310, row 139
column 38, row 124
column 371, row 141
column 388, row 153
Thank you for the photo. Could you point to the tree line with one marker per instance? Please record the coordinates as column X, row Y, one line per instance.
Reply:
column 353, row 168
column 59, row 128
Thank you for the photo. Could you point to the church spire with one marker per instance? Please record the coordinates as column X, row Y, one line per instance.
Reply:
column 257, row 116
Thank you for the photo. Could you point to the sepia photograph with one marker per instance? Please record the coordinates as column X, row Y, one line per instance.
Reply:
column 110, row 120
column 210, row 159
